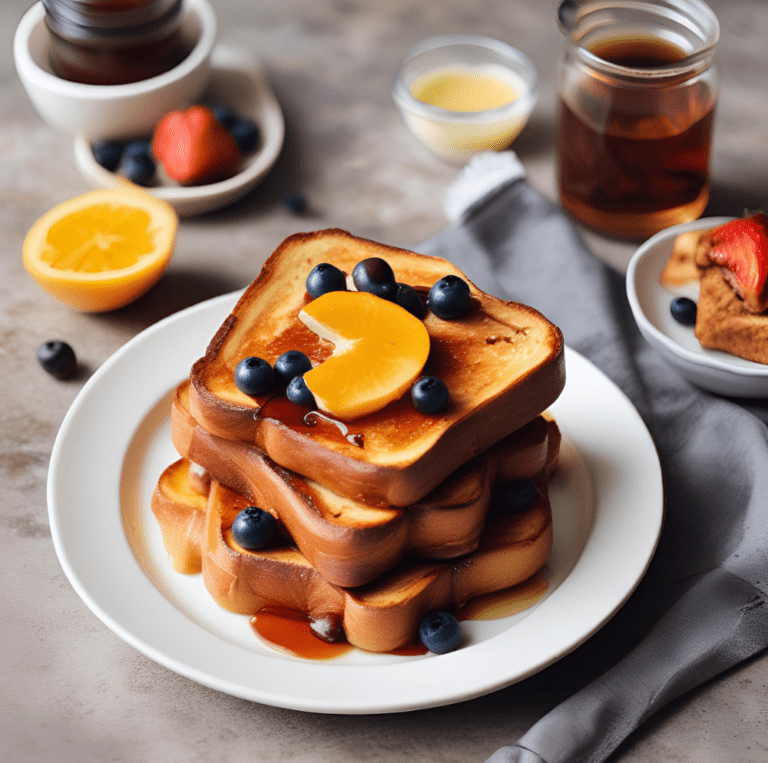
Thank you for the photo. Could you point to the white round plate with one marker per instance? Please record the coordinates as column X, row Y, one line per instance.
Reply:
column 239, row 82
column 115, row 441
column 712, row 370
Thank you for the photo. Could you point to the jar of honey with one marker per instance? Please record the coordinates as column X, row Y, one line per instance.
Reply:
column 638, row 87
column 113, row 42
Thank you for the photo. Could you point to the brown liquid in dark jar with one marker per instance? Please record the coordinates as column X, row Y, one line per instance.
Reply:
column 650, row 155
column 89, row 45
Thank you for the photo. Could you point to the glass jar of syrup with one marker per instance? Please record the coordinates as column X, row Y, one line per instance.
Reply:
column 113, row 42
column 638, row 87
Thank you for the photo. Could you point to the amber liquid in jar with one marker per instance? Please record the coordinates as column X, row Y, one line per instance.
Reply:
column 103, row 42
column 633, row 161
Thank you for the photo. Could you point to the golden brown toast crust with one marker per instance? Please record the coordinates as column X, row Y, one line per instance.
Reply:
column 503, row 363
column 351, row 543
column 384, row 614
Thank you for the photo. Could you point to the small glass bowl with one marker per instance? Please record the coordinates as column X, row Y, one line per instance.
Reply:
column 457, row 135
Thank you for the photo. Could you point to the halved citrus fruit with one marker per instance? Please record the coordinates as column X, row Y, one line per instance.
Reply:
column 103, row 249
column 379, row 350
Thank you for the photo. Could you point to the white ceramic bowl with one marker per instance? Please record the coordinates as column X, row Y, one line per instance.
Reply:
column 112, row 111
column 457, row 135
column 712, row 370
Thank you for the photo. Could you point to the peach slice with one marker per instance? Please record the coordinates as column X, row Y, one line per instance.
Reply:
column 379, row 351
column 740, row 248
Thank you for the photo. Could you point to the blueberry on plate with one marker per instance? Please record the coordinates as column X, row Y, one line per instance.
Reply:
column 299, row 393
column 139, row 168
column 246, row 134
column 410, row 299
column 253, row 376
column 295, row 202
column 449, row 297
column 429, row 395
column 107, row 153
column 440, row 632
column 324, row 278
column 254, row 528
column 57, row 358
column 375, row 275
column 225, row 115
column 683, row 310
column 514, row 496
column 290, row 364
column 138, row 147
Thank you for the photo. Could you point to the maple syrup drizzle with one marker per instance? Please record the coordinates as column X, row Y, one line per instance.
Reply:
column 311, row 419
column 289, row 631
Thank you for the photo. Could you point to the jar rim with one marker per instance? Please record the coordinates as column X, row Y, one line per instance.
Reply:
column 597, row 18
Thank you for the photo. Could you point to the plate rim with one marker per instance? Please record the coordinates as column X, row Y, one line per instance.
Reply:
column 440, row 673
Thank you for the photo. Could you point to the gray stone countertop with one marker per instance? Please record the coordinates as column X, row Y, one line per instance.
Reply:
column 72, row 691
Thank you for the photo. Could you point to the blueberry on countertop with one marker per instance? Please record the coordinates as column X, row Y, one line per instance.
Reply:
column 410, row 299
column 449, row 297
column 254, row 528
column 299, row 393
column 225, row 115
column 515, row 496
column 253, row 376
column 440, row 632
column 683, row 310
column 324, row 278
column 295, row 202
column 291, row 364
column 429, row 395
column 246, row 134
column 375, row 275
column 58, row 359
column 138, row 168
column 107, row 153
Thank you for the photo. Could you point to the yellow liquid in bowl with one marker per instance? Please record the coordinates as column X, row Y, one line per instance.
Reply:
column 464, row 90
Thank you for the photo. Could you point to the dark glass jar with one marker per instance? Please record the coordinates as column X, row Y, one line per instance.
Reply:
column 113, row 42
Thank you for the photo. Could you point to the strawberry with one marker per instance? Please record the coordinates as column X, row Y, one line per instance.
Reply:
column 740, row 249
column 194, row 147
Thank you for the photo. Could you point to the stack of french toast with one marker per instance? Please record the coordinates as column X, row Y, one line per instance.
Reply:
column 384, row 513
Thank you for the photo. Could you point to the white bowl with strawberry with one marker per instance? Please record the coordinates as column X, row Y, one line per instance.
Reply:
column 743, row 267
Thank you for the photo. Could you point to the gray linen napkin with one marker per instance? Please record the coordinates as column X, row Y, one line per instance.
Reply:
column 702, row 605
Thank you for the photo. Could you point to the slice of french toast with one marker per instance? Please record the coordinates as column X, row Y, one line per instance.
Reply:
column 378, row 617
column 503, row 364
column 348, row 541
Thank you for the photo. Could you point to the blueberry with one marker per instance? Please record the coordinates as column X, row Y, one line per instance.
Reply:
column 253, row 376
column 409, row 298
column 107, row 153
column 515, row 496
column 290, row 364
column 254, row 528
column 324, row 278
column 375, row 276
column 139, row 147
column 225, row 115
column 246, row 134
column 683, row 310
column 58, row 359
column 299, row 394
column 449, row 297
column 429, row 395
column 139, row 169
column 295, row 202
column 440, row 632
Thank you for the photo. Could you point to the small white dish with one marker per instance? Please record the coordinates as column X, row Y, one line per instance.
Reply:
column 108, row 456
column 458, row 135
column 238, row 81
column 712, row 370
column 112, row 111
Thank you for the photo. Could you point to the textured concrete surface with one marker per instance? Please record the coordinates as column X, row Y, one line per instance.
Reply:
column 71, row 691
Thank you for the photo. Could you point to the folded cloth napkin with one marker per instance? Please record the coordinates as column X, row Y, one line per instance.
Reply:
column 702, row 605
